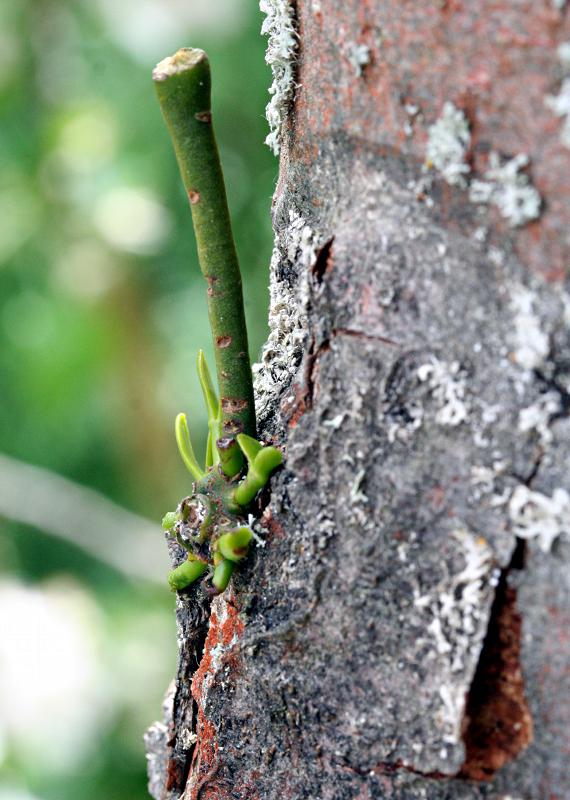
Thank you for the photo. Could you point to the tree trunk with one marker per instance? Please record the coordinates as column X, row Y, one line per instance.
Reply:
column 403, row 632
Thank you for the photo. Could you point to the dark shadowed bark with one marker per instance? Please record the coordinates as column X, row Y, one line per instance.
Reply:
column 403, row 632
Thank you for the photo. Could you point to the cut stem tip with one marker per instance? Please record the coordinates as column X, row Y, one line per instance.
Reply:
column 183, row 60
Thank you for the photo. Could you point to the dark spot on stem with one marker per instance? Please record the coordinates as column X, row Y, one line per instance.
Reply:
column 231, row 405
column 232, row 427
column 203, row 116
column 194, row 197
column 223, row 341
column 212, row 280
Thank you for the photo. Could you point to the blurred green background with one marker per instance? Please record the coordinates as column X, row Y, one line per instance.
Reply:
column 102, row 311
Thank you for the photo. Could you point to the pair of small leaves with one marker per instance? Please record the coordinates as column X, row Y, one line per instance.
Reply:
column 261, row 460
column 214, row 410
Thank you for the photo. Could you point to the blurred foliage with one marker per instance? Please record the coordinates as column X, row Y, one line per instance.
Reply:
column 102, row 311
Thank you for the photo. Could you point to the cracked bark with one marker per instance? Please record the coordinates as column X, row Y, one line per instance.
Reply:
column 389, row 641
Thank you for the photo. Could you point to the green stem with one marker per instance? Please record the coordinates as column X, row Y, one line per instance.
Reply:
column 188, row 572
column 222, row 575
column 233, row 544
column 231, row 459
column 261, row 463
column 182, row 83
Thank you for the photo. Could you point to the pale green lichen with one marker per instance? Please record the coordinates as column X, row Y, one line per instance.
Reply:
column 531, row 342
column 564, row 55
column 449, row 139
column 359, row 57
column 504, row 184
column 279, row 27
column 507, row 187
column 288, row 306
column 537, row 417
column 560, row 104
column 446, row 384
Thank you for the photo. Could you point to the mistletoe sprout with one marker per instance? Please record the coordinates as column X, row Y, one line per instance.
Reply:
column 210, row 523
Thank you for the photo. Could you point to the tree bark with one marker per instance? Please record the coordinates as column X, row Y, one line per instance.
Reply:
column 403, row 633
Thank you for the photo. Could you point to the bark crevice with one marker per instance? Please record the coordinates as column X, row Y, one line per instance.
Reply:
column 497, row 725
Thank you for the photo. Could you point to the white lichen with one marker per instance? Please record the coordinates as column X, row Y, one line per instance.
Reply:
column 503, row 185
column 453, row 700
column 300, row 243
column 336, row 422
column 288, row 307
column 396, row 430
column 564, row 55
column 412, row 111
column 356, row 493
column 483, row 478
column 449, row 139
column 531, row 342
column 478, row 571
column 457, row 605
column 279, row 27
column 459, row 609
column 438, row 383
column 441, row 642
column 509, row 189
column 447, row 387
column 359, row 56
column 560, row 105
column 255, row 528
column 537, row 416
column 536, row 516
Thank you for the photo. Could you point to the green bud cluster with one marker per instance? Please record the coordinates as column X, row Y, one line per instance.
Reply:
column 210, row 523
